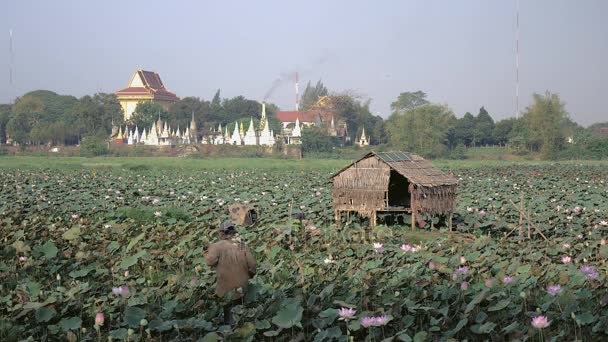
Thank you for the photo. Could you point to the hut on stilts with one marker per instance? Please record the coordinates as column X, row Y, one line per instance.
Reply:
column 393, row 182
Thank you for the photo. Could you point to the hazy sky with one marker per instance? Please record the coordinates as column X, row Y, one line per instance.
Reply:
column 461, row 53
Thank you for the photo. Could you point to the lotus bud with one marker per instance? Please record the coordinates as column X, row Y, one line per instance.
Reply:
column 463, row 260
column 99, row 319
column 143, row 322
column 126, row 273
column 130, row 332
column 603, row 242
column 83, row 330
column 58, row 277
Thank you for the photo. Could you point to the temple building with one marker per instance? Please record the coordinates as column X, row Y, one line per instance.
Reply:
column 144, row 86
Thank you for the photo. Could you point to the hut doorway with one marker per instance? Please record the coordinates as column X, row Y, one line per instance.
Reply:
column 398, row 194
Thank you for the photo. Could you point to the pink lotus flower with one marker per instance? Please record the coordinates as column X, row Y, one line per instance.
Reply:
column 566, row 259
column 155, row 201
column 126, row 273
column 193, row 282
column 589, row 272
column 462, row 270
column 121, row 290
column 566, row 245
column 463, row 260
column 99, row 319
column 406, row 248
column 346, row 313
column 432, row 265
column 489, row 282
column 540, row 322
column 367, row 322
column 554, row 290
column 507, row 280
column 74, row 216
column 603, row 223
column 464, row 285
column 603, row 242
column 158, row 214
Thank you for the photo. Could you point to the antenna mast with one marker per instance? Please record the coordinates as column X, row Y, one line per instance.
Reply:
column 11, row 62
column 297, row 93
column 517, row 59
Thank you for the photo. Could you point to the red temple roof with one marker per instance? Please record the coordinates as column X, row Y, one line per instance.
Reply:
column 309, row 116
column 152, row 85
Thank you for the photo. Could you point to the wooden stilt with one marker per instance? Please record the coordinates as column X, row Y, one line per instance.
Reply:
column 374, row 217
column 432, row 223
column 413, row 220
column 450, row 222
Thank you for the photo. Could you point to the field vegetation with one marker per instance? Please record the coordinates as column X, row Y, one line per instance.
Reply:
column 125, row 238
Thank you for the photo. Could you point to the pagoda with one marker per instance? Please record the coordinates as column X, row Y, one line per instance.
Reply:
column 145, row 86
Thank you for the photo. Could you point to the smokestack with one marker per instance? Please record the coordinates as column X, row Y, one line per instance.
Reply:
column 297, row 93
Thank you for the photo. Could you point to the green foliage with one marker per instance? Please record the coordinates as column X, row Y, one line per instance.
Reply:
column 546, row 122
column 459, row 152
column 311, row 95
column 423, row 130
column 93, row 146
column 484, row 126
column 407, row 101
column 44, row 117
column 147, row 113
column 315, row 139
column 296, row 294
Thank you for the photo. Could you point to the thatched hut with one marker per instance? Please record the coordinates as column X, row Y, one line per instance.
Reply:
column 393, row 182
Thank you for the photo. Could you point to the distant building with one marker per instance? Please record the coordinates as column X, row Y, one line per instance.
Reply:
column 293, row 122
column 601, row 131
column 145, row 86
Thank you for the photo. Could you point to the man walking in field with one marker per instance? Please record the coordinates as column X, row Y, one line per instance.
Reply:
column 234, row 265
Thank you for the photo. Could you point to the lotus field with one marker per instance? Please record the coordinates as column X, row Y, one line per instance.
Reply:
column 117, row 254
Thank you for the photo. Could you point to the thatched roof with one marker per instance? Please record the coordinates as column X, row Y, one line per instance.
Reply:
column 411, row 166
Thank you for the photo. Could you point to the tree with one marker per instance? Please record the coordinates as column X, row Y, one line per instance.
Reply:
column 423, row 129
column 216, row 104
column 181, row 113
column 315, row 139
column 408, row 101
column 311, row 95
column 546, row 121
column 463, row 130
column 240, row 107
column 503, row 130
column 5, row 115
column 482, row 131
column 19, row 126
column 146, row 114
column 378, row 131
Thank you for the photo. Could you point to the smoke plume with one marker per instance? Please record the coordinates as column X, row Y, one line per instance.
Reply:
column 290, row 76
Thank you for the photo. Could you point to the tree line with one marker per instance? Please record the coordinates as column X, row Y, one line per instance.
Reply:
column 544, row 127
column 415, row 124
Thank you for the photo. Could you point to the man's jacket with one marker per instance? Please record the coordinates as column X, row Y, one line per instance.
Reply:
column 234, row 264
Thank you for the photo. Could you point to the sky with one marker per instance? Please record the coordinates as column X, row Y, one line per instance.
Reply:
column 460, row 53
